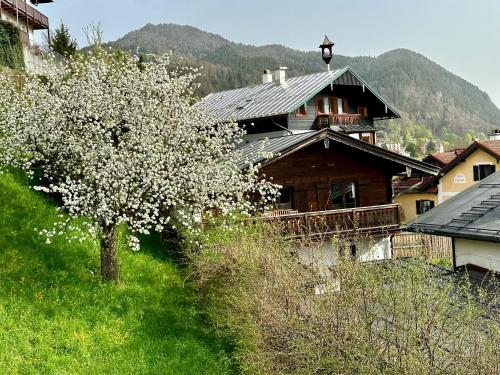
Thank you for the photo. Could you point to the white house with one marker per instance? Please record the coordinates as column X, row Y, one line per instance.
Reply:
column 25, row 15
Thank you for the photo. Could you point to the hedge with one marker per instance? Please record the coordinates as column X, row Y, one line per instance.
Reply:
column 11, row 49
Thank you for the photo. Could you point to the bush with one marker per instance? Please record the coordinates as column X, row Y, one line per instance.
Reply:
column 371, row 318
column 11, row 49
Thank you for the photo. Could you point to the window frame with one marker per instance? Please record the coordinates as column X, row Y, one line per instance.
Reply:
column 301, row 111
column 344, row 184
column 421, row 209
column 279, row 204
column 478, row 172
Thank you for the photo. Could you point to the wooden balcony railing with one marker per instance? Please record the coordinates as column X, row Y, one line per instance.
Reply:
column 26, row 13
column 326, row 120
column 369, row 220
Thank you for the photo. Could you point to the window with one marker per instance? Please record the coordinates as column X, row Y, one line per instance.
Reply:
column 332, row 104
column 353, row 251
column 340, row 106
column 286, row 198
column 366, row 137
column 482, row 171
column 344, row 195
column 363, row 110
column 302, row 110
column 354, row 135
column 323, row 105
column 424, row 205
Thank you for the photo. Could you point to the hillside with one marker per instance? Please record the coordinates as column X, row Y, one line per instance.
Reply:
column 57, row 317
column 425, row 93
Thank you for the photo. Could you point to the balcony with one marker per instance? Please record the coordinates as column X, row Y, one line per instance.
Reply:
column 30, row 44
column 353, row 221
column 327, row 120
column 26, row 13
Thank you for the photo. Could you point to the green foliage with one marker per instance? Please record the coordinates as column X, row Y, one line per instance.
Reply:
column 56, row 317
column 395, row 317
column 412, row 149
column 62, row 43
column 425, row 93
column 11, row 48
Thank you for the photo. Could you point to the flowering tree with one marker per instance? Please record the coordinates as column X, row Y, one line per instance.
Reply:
column 121, row 142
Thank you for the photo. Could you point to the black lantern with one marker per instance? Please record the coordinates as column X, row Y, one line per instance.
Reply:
column 326, row 50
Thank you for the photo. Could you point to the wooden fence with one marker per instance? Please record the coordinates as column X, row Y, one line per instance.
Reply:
column 412, row 244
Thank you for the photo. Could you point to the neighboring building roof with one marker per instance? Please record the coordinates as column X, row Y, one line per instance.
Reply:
column 472, row 214
column 267, row 151
column 490, row 147
column 274, row 99
column 443, row 158
column 414, row 185
column 356, row 128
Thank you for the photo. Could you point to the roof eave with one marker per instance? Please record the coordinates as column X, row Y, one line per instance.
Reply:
column 463, row 234
column 360, row 145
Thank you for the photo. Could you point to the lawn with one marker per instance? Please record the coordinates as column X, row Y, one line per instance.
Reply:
column 56, row 317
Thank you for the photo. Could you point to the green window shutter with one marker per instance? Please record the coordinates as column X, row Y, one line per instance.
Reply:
column 476, row 172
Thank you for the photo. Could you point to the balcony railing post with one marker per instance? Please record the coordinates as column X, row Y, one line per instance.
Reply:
column 363, row 219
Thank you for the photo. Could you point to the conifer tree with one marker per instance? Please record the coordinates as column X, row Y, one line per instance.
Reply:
column 62, row 43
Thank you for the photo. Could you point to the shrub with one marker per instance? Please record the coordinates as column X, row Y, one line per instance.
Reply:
column 371, row 318
column 11, row 49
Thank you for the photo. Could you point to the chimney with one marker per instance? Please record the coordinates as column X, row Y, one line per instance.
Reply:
column 495, row 135
column 267, row 77
column 280, row 75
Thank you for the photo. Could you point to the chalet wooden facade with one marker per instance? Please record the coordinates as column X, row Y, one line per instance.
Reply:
column 315, row 136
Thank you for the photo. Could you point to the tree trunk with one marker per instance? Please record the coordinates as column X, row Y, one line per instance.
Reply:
column 109, row 254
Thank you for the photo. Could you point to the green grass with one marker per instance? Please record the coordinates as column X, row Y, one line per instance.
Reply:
column 56, row 317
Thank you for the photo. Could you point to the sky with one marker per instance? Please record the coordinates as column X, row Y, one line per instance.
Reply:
column 461, row 35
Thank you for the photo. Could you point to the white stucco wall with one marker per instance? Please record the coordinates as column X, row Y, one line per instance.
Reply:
column 32, row 56
column 478, row 253
column 7, row 16
column 324, row 255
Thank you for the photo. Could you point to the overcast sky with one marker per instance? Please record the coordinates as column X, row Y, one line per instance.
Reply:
column 461, row 35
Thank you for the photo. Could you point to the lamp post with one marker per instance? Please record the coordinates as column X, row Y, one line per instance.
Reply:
column 326, row 51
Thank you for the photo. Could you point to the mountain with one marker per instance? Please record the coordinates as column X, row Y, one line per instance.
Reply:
column 426, row 93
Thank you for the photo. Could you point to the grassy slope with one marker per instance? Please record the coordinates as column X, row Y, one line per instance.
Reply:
column 56, row 317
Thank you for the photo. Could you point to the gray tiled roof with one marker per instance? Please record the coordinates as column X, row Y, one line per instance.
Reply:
column 357, row 128
column 473, row 214
column 264, row 151
column 274, row 99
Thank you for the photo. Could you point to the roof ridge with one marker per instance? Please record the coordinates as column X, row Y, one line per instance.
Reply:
column 274, row 83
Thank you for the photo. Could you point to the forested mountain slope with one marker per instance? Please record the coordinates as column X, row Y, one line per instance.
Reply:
column 426, row 94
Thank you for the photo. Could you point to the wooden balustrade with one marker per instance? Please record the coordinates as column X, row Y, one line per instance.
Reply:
column 372, row 220
column 326, row 120
column 27, row 12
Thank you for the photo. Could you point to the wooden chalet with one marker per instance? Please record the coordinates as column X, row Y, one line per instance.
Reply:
column 315, row 135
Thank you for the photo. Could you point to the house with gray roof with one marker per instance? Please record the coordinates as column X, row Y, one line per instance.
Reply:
column 472, row 220
column 315, row 135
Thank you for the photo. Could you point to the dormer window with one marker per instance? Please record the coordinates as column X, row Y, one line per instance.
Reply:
column 301, row 111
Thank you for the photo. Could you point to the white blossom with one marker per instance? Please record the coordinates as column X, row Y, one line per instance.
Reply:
column 121, row 142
